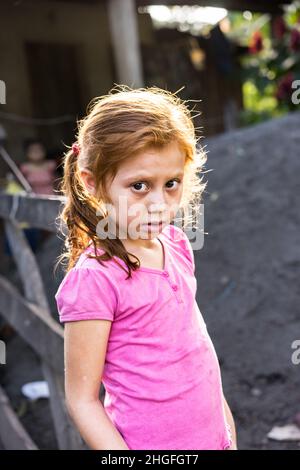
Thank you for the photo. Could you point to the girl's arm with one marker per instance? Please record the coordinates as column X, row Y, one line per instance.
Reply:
column 230, row 421
column 85, row 350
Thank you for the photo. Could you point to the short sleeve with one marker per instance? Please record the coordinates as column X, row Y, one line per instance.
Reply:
column 179, row 236
column 86, row 294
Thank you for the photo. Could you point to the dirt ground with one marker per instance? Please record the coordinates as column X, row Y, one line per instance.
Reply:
column 248, row 284
column 248, row 274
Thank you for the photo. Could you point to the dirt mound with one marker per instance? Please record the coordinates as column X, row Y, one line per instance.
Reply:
column 248, row 273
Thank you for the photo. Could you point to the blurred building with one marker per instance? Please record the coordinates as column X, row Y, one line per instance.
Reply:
column 58, row 55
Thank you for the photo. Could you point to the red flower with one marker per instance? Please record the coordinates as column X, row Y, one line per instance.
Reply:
column 279, row 27
column 295, row 40
column 284, row 89
column 256, row 42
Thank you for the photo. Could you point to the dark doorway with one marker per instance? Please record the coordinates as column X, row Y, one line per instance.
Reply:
column 55, row 91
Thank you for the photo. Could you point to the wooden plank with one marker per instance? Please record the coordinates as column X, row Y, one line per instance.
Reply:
column 15, row 169
column 42, row 333
column 37, row 211
column 67, row 435
column 27, row 266
column 12, row 433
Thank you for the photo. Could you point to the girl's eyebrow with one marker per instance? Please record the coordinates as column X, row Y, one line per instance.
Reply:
column 145, row 176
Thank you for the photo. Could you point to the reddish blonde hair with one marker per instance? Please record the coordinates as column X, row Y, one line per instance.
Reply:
column 117, row 126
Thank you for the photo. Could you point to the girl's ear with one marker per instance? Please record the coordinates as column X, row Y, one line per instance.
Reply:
column 88, row 181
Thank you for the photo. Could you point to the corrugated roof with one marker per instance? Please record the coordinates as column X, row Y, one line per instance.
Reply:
column 264, row 6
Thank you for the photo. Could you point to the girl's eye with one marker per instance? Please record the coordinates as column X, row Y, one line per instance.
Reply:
column 174, row 181
column 138, row 186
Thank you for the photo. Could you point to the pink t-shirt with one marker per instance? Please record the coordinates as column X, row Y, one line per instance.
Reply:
column 161, row 373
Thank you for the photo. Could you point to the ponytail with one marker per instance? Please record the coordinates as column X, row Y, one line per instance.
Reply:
column 79, row 215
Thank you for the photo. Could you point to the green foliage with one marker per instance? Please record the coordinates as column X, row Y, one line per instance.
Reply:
column 259, row 106
column 271, row 64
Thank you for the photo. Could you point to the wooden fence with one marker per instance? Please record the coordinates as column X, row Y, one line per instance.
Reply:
column 30, row 316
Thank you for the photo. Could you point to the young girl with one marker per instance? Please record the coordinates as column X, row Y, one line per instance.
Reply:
column 39, row 171
column 128, row 298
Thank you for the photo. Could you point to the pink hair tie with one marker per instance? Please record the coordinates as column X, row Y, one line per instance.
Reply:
column 75, row 148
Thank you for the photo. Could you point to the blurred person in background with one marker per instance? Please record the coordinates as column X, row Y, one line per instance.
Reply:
column 39, row 171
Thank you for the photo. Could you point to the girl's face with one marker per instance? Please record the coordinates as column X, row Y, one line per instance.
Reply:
column 147, row 188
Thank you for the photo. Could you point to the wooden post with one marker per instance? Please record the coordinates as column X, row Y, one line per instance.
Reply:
column 13, row 435
column 68, row 437
column 125, row 41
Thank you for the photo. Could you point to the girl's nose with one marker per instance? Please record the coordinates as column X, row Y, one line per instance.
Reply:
column 157, row 202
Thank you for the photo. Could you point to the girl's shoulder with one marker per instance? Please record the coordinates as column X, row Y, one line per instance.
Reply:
column 88, row 291
column 179, row 240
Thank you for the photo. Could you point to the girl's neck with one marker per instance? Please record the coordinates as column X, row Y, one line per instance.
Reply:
column 139, row 243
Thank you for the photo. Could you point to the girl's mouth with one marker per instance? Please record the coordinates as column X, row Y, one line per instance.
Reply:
column 153, row 226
